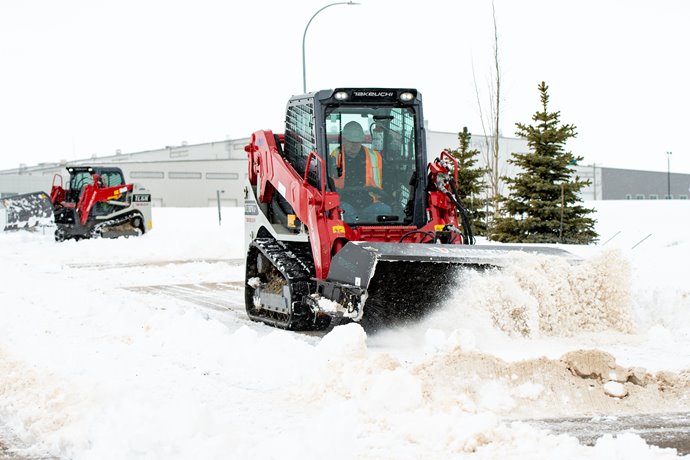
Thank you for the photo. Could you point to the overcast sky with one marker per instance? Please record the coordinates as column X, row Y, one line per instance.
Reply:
column 88, row 77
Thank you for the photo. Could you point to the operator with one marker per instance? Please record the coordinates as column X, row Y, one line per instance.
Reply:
column 358, row 176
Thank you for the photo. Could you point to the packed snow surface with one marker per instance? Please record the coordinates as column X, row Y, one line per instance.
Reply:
column 98, row 360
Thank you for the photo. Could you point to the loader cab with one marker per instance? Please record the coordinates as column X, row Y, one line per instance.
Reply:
column 382, row 184
column 81, row 176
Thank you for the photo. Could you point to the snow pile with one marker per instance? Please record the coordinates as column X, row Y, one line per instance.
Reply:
column 537, row 294
column 92, row 368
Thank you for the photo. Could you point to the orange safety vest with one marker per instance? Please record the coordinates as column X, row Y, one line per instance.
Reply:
column 373, row 162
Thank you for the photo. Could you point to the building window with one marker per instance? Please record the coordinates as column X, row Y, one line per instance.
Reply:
column 227, row 176
column 237, row 152
column 184, row 175
column 146, row 175
column 179, row 153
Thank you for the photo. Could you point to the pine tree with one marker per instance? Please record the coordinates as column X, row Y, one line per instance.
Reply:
column 470, row 186
column 543, row 205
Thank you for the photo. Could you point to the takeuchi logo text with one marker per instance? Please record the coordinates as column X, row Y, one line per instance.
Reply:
column 373, row 93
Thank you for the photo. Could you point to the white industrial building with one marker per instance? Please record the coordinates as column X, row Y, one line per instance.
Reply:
column 185, row 175
column 177, row 176
column 205, row 174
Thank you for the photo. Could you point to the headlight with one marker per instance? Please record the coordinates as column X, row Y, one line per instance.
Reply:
column 340, row 95
column 406, row 96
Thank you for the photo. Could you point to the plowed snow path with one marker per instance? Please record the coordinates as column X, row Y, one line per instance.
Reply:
column 217, row 296
column 662, row 430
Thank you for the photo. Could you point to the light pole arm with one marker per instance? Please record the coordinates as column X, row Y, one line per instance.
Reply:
column 304, row 38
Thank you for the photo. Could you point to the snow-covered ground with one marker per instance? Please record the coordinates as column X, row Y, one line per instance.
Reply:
column 98, row 360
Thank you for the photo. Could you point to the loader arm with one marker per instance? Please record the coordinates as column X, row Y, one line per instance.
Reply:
column 94, row 193
column 315, row 207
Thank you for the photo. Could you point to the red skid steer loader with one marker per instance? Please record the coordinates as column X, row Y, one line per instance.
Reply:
column 324, row 246
column 98, row 203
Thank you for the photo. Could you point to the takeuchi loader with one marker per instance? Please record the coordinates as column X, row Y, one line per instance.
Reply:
column 325, row 245
column 97, row 202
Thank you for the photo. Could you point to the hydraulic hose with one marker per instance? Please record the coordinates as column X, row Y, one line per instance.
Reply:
column 466, row 226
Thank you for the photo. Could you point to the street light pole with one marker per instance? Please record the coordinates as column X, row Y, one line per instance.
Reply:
column 668, row 174
column 560, row 230
column 304, row 37
column 218, row 192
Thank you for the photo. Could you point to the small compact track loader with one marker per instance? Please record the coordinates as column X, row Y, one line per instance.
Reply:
column 322, row 246
column 98, row 203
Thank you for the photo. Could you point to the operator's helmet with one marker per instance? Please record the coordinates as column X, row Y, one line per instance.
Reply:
column 97, row 180
column 353, row 132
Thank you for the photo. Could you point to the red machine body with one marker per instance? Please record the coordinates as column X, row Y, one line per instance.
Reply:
column 376, row 244
column 381, row 247
column 319, row 209
column 98, row 202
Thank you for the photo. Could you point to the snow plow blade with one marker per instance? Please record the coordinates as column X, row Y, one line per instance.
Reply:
column 386, row 284
column 25, row 211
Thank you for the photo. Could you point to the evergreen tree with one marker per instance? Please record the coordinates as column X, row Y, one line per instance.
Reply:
column 470, row 186
column 543, row 205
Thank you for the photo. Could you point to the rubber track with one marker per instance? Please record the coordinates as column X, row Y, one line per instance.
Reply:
column 93, row 232
column 295, row 264
column 114, row 223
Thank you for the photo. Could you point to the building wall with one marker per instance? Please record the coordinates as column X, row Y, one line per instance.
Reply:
column 196, row 175
column 622, row 184
column 190, row 183
column 16, row 184
column 591, row 173
column 438, row 141
column 181, row 176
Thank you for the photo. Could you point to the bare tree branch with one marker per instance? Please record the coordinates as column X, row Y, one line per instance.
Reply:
column 490, row 122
